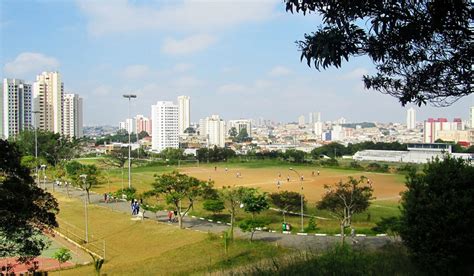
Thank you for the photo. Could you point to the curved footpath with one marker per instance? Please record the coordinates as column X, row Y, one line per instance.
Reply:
column 302, row 242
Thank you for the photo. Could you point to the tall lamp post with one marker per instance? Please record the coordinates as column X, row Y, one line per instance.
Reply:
column 301, row 181
column 84, row 177
column 43, row 167
column 129, row 97
column 36, row 147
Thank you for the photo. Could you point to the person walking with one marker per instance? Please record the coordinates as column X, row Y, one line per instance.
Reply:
column 288, row 178
column 170, row 216
column 318, row 172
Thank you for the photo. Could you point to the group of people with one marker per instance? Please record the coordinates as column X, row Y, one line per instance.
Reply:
column 107, row 197
column 288, row 178
column 135, row 205
column 172, row 216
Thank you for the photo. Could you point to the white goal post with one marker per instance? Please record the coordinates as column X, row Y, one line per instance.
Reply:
column 189, row 163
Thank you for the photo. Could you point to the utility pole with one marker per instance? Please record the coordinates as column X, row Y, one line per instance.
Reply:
column 129, row 97
column 83, row 177
column 36, row 147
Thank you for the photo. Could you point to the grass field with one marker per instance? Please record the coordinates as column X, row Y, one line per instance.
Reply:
column 265, row 175
column 151, row 248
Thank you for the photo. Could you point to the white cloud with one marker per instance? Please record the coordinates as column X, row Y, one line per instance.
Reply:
column 187, row 45
column 119, row 16
column 232, row 88
column 182, row 67
column 355, row 74
column 279, row 71
column 102, row 90
column 137, row 71
column 187, row 83
column 30, row 63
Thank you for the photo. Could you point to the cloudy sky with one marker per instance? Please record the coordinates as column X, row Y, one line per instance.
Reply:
column 234, row 58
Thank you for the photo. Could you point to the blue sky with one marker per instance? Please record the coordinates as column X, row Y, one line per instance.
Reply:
column 235, row 58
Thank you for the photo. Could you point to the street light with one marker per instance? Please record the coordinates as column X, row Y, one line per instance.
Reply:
column 84, row 177
column 301, row 181
column 129, row 97
column 36, row 146
column 43, row 167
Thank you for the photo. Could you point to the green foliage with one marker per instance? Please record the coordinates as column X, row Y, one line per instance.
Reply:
column 177, row 187
column 251, row 225
column 438, row 216
column 120, row 137
column 52, row 147
column 233, row 132
column 26, row 210
column 311, row 225
column 116, row 158
column 255, row 202
column 130, row 193
column 287, row 201
column 376, row 167
column 62, row 255
column 243, row 136
column 355, row 165
column 329, row 162
column 213, row 205
column 391, row 259
column 294, row 155
column 172, row 155
column 344, row 199
column 74, row 170
column 232, row 198
column 389, row 225
column 214, row 154
column 421, row 49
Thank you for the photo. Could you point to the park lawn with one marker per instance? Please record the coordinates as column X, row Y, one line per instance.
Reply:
column 148, row 247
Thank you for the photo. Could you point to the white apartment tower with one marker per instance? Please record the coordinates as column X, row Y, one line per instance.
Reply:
column 48, row 91
column 301, row 120
column 164, row 132
column 15, row 107
column 72, row 115
column 213, row 128
column 318, row 129
column 314, row 117
column 184, row 111
column 471, row 117
column 411, row 118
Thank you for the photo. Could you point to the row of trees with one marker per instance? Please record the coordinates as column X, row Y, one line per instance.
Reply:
column 121, row 136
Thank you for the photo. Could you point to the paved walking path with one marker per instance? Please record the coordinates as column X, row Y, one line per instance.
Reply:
column 309, row 242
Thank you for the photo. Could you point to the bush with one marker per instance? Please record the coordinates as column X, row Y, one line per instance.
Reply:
column 213, row 205
column 311, row 225
column 329, row 162
column 355, row 165
column 130, row 193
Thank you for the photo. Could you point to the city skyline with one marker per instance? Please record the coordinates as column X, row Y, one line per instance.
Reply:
column 221, row 62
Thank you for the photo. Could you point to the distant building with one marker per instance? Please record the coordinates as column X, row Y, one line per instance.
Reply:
column 164, row 133
column 411, row 118
column 432, row 127
column 184, row 113
column 72, row 115
column 213, row 128
column 48, row 93
column 471, row 117
column 314, row 117
column 318, row 128
column 337, row 133
column 15, row 107
column 301, row 120
column 142, row 123
column 239, row 125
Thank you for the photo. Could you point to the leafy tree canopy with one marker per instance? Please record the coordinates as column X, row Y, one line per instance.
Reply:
column 422, row 50
column 438, row 216
column 26, row 210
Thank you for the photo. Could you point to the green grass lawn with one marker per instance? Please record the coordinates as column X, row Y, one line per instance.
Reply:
column 151, row 248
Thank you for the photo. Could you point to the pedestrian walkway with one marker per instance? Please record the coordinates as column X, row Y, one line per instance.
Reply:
column 304, row 242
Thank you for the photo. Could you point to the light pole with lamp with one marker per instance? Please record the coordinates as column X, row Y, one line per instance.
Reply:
column 84, row 177
column 129, row 97
column 301, row 181
column 43, row 167
column 36, row 147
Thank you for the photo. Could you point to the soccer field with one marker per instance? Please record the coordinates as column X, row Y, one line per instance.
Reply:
column 387, row 187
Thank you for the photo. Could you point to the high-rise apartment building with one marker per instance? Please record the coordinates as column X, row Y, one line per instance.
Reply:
column 48, row 93
column 301, row 120
column 432, row 127
column 318, row 129
column 72, row 115
column 314, row 117
column 411, row 118
column 142, row 123
column 184, row 113
column 213, row 128
column 471, row 117
column 15, row 107
column 164, row 133
column 239, row 125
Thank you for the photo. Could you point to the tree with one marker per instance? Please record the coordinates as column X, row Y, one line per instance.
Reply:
column 233, row 132
column 232, row 198
column 213, row 205
column 255, row 202
column 26, row 210
column 62, row 255
column 251, row 225
column 116, row 158
column 344, row 199
column 287, row 201
column 74, row 171
column 421, row 49
column 243, row 135
column 438, row 215
column 177, row 188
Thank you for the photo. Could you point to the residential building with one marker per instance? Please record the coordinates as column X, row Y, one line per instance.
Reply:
column 48, row 93
column 432, row 127
column 411, row 118
column 301, row 120
column 239, row 125
column 72, row 115
column 213, row 128
column 314, row 117
column 142, row 123
column 471, row 117
column 318, row 129
column 184, row 113
column 15, row 107
column 164, row 132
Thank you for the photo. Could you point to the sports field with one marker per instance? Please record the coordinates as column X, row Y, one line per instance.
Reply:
column 387, row 187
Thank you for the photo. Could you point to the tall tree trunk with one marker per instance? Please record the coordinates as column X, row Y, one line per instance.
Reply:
column 342, row 232
column 88, row 197
column 180, row 220
column 232, row 225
